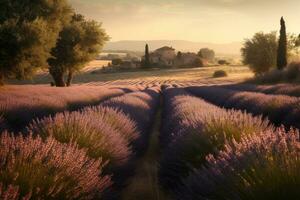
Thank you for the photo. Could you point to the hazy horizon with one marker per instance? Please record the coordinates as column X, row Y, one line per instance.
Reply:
column 214, row 21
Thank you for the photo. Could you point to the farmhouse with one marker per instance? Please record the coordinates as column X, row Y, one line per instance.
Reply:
column 167, row 57
column 186, row 59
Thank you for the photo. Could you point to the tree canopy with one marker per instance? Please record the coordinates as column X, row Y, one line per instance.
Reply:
column 282, row 46
column 260, row 52
column 207, row 54
column 79, row 42
column 28, row 31
column 146, row 60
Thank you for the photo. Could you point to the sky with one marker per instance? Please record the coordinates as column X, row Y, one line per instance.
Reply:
column 214, row 21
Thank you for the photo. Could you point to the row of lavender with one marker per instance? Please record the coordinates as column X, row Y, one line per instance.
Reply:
column 279, row 109
column 281, row 89
column 77, row 155
column 19, row 105
column 213, row 153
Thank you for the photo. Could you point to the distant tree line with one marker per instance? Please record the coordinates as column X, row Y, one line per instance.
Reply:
column 265, row 50
column 43, row 34
column 207, row 54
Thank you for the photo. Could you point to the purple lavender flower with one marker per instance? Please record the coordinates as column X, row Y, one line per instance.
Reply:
column 31, row 168
column 86, row 130
column 198, row 129
column 21, row 104
column 261, row 166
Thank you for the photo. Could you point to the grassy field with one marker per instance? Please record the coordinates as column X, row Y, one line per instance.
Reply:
column 197, row 75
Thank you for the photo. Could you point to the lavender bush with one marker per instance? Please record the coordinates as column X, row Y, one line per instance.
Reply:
column 201, row 129
column 169, row 105
column 33, row 169
column 21, row 104
column 2, row 124
column 11, row 193
column 141, row 108
column 263, row 166
column 118, row 120
column 278, row 89
column 279, row 109
column 100, row 139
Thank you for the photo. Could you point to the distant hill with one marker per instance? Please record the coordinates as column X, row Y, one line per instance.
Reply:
column 179, row 45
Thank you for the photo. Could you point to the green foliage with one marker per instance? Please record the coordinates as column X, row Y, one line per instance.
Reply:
column 220, row 73
column 198, row 63
column 290, row 74
column 223, row 62
column 207, row 54
column 28, row 32
column 260, row 52
column 282, row 46
column 79, row 42
column 146, row 61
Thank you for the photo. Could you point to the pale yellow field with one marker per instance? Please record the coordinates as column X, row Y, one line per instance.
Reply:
column 191, row 76
column 96, row 65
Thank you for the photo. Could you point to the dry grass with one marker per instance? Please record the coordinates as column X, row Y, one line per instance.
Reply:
column 167, row 76
column 96, row 65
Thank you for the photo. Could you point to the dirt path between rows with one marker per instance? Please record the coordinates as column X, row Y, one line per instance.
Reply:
column 144, row 185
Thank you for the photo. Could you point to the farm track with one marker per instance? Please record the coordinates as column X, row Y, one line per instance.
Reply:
column 144, row 185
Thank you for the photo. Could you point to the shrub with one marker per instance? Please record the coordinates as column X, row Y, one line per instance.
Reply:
column 263, row 166
column 223, row 62
column 33, row 169
column 201, row 133
column 198, row 62
column 136, row 105
column 220, row 73
column 116, row 119
column 260, row 52
column 279, row 109
column 11, row 193
column 273, row 76
column 98, row 137
column 141, row 108
column 292, row 72
column 21, row 104
column 2, row 124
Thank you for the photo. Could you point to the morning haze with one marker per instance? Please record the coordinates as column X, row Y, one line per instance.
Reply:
column 214, row 21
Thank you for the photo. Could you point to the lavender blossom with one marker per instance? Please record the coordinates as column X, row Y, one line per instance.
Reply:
column 33, row 169
column 100, row 139
column 261, row 166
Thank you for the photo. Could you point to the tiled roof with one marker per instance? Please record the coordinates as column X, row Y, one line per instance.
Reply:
column 165, row 48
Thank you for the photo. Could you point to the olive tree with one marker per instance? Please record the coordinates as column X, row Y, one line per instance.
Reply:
column 207, row 54
column 80, row 41
column 28, row 31
column 260, row 52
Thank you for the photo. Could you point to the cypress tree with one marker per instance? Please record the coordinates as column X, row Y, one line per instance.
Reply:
column 282, row 47
column 147, row 57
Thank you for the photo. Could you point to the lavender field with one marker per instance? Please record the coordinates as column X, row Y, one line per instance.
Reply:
column 160, row 141
column 149, row 100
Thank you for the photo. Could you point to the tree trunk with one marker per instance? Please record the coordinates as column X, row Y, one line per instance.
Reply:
column 58, row 77
column 59, row 80
column 70, row 78
column 1, row 79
